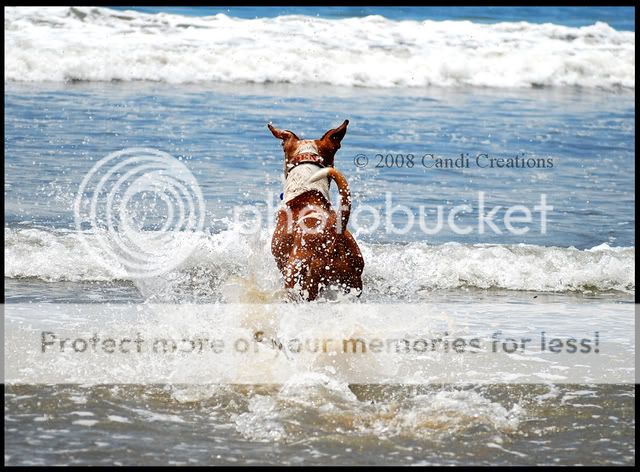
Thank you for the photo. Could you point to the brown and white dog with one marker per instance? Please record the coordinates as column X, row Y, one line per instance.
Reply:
column 311, row 244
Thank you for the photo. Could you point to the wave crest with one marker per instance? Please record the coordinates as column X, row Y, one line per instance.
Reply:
column 395, row 270
column 100, row 44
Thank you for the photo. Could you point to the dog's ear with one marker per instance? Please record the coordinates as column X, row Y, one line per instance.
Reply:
column 334, row 136
column 281, row 134
column 329, row 144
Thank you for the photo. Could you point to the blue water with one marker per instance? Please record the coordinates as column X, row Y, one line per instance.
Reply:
column 54, row 134
column 621, row 18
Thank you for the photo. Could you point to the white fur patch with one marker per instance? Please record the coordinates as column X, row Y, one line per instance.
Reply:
column 307, row 147
column 298, row 182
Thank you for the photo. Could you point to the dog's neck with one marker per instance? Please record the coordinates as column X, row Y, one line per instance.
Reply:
column 307, row 151
column 297, row 182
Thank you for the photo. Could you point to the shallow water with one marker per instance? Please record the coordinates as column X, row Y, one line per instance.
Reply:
column 320, row 424
column 587, row 255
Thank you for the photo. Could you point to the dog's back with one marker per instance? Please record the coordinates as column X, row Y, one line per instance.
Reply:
column 311, row 243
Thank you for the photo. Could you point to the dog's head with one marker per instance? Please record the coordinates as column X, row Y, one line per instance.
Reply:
column 325, row 147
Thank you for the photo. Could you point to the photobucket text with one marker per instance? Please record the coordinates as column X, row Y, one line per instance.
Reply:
column 475, row 217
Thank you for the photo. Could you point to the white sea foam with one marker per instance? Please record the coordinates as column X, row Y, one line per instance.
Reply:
column 431, row 415
column 396, row 270
column 100, row 44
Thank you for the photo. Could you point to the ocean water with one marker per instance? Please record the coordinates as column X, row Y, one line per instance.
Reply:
column 552, row 84
column 104, row 45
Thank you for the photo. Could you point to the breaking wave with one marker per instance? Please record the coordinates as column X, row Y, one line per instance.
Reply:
column 99, row 44
column 397, row 270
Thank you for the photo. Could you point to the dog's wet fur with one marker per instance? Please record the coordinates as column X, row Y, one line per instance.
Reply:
column 311, row 243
